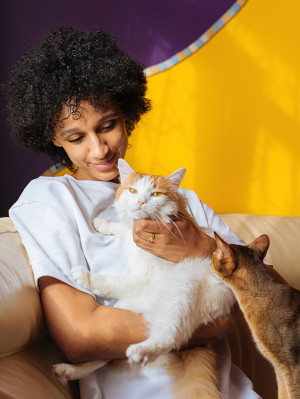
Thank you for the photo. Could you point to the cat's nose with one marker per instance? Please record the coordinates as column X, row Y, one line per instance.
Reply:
column 141, row 202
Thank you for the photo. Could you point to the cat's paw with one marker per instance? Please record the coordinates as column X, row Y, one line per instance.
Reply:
column 136, row 355
column 64, row 372
column 143, row 353
column 101, row 225
column 81, row 276
column 147, row 351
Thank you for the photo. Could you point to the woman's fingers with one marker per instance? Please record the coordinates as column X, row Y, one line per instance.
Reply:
column 146, row 235
column 172, row 241
column 149, row 230
column 162, row 239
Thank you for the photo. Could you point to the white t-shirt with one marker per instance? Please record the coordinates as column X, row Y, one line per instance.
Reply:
column 54, row 219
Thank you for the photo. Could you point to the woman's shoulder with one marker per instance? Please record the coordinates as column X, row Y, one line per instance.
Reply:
column 49, row 180
column 44, row 188
column 53, row 182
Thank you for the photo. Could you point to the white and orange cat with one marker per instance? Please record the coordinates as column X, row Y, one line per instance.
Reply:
column 175, row 298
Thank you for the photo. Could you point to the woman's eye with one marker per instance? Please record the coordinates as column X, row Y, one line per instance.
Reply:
column 76, row 140
column 156, row 194
column 133, row 190
column 111, row 125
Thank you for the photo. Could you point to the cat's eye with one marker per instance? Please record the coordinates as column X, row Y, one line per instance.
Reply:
column 156, row 194
column 133, row 190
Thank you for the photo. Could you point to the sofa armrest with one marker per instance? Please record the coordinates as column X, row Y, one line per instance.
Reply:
column 20, row 311
column 26, row 353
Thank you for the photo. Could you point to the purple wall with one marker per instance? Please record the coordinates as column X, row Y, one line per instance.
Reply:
column 150, row 31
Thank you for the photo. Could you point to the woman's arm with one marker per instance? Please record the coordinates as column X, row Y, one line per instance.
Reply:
column 219, row 329
column 84, row 330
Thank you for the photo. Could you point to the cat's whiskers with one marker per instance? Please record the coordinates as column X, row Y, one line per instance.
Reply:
column 156, row 217
column 179, row 231
column 157, row 220
column 164, row 223
column 182, row 215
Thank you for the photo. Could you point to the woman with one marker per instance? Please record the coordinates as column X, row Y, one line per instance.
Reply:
column 77, row 99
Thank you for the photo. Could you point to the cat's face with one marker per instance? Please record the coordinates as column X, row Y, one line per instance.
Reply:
column 148, row 197
column 231, row 260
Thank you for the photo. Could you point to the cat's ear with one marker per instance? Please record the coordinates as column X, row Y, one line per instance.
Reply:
column 176, row 177
column 125, row 170
column 261, row 245
column 225, row 255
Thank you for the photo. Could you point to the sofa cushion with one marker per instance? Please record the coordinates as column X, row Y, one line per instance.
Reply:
column 28, row 374
column 17, row 287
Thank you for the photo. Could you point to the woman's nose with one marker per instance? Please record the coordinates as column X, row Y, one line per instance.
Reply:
column 98, row 147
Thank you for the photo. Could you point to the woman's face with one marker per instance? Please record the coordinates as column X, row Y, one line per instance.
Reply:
column 94, row 142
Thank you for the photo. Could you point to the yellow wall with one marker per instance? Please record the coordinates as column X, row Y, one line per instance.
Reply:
column 230, row 114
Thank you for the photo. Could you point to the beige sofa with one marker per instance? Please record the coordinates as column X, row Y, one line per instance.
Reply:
column 27, row 353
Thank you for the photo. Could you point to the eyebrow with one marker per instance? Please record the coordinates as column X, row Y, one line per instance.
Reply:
column 76, row 129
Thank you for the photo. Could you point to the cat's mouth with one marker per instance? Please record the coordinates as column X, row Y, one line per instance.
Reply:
column 140, row 214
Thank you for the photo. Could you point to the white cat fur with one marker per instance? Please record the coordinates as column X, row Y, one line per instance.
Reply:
column 175, row 298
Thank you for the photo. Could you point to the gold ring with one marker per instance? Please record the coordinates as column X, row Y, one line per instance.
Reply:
column 151, row 238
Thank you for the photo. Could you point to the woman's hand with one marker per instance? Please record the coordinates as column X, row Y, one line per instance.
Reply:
column 173, row 241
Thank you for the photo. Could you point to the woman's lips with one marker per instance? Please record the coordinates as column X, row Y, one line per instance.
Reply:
column 105, row 165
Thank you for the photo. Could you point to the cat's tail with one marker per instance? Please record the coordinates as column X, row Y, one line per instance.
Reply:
column 194, row 374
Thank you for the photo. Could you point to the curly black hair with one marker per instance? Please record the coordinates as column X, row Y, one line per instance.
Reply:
column 69, row 67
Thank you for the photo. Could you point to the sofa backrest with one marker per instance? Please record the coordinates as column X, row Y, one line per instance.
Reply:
column 284, row 233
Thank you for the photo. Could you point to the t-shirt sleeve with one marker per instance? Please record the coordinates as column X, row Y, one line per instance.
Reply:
column 220, row 227
column 51, row 239
column 206, row 217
